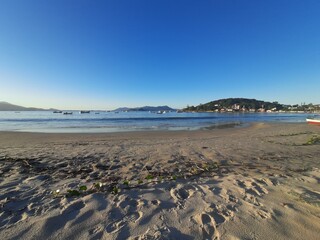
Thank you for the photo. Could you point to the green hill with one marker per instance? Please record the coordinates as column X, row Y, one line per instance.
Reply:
column 235, row 104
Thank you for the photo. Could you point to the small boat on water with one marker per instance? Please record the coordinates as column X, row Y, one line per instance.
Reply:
column 67, row 113
column 57, row 111
column 84, row 112
column 314, row 121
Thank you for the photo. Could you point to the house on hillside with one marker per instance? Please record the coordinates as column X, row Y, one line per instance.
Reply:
column 236, row 107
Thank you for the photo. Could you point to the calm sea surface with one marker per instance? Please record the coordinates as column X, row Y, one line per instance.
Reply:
column 47, row 121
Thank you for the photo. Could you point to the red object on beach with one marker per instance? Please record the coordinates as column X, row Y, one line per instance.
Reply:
column 313, row 121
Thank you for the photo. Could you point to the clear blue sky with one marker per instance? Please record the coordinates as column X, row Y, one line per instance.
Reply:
column 106, row 54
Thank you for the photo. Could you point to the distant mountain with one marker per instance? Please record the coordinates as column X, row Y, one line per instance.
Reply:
column 122, row 109
column 5, row 106
column 145, row 108
column 236, row 104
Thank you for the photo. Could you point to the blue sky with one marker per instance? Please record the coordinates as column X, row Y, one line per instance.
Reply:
column 106, row 54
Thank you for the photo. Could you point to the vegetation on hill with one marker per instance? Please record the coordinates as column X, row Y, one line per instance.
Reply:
column 245, row 105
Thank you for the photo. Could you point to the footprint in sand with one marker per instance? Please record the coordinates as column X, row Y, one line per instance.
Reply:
column 252, row 199
column 155, row 232
column 129, row 205
column 264, row 181
column 218, row 218
column 221, row 213
column 207, row 226
column 225, row 194
column 252, row 190
column 96, row 233
column 255, row 188
column 117, row 225
column 259, row 188
column 180, row 195
column 263, row 213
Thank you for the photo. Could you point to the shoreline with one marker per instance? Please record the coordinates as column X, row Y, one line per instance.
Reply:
column 148, row 131
column 231, row 183
column 120, row 130
column 140, row 122
column 213, row 127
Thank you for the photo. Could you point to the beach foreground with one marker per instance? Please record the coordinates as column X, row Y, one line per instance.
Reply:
column 260, row 182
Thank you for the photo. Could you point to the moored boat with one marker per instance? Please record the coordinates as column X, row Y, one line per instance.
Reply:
column 315, row 121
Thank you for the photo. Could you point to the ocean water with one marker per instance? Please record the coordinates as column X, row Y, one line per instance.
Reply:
column 99, row 121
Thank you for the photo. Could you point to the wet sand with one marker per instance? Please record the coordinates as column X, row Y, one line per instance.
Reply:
column 259, row 182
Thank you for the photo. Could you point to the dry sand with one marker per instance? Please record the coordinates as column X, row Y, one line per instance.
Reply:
column 260, row 182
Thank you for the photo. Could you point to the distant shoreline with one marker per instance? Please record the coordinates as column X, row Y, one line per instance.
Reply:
column 295, row 112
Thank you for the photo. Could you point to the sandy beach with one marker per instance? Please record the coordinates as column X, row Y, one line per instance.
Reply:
column 256, row 182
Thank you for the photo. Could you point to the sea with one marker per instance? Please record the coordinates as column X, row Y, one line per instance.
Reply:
column 103, row 121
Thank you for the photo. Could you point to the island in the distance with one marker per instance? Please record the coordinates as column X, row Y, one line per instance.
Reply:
column 145, row 109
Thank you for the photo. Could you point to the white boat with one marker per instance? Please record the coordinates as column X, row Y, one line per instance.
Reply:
column 314, row 121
